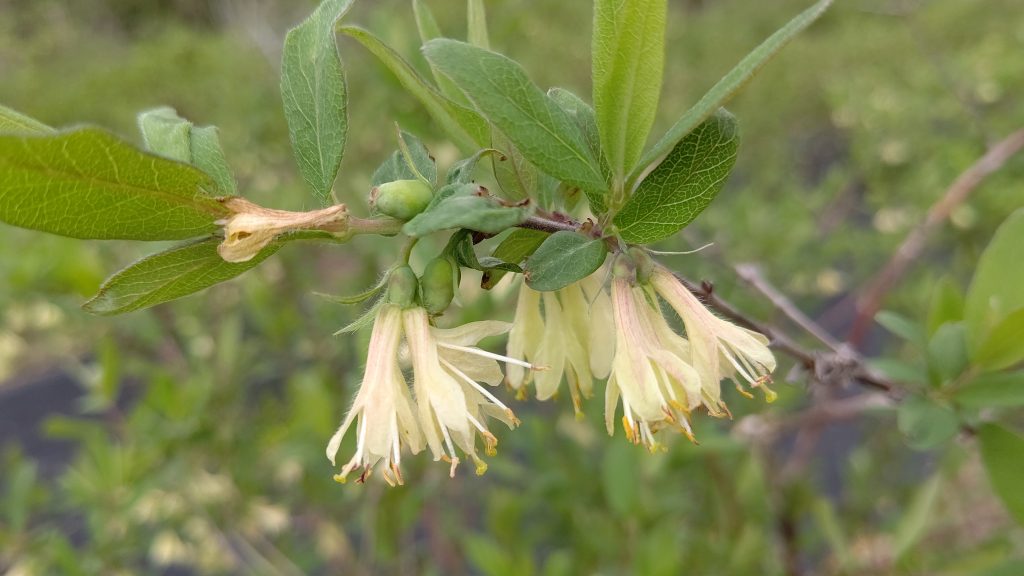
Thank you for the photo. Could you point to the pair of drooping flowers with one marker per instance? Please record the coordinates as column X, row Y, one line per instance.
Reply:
column 583, row 332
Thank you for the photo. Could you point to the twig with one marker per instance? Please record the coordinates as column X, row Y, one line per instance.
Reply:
column 751, row 274
column 871, row 298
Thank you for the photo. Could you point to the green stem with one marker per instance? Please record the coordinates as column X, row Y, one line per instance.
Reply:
column 382, row 226
column 407, row 249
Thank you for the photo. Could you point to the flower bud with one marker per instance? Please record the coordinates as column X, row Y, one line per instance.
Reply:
column 644, row 263
column 401, row 199
column 436, row 285
column 402, row 287
column 623, row 267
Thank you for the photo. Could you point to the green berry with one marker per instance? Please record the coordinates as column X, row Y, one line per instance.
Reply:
column 401, row 199
column 437, row 286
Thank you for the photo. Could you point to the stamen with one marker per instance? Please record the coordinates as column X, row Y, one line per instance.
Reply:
column 729, row 356
column 387, row 478
column 396, row 448
column 451, row 449
column 486, row 393
column 574, row 393
column 628, row 430
column 490, row 355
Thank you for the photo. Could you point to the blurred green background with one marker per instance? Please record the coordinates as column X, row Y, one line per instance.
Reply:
column 188, row 439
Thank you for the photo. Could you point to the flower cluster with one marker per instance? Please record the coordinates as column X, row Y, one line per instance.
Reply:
column 450, row 407
column 608, row 326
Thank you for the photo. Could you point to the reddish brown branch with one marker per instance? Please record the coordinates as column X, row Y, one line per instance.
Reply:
column 870, row 300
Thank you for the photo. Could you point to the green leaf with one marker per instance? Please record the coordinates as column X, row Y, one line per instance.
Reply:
column 417, row 157
column 476, row 23
column 628, row 59
column 462, row 171
column 902, row 326
column 410, row 162
column 89, row 184
column 1002, row 451
column 728, row 86
column 465, row 206
column 427, row 26
column 208, row 156
column 515, row 175
column 167, row 134
column 583, row 115
column 683, row 185
column 1004, row 345
column 14, row 122
column 540, row 130
column 947, row 305
column 918, row 518
column 168, row 275
column 463, row 125
column 996, row 291
column 925, row 423
column 1005, row 390
column 947, row 353
column 316, row 97
column 563, row 258
column 460, row 247
column 900, row 371
column 515, row 248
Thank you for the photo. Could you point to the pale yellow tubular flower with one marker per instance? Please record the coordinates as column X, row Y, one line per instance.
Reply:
column 251, row 227
column 452, row 405
column 651, row 379
column 576, row 318
column 524, row 338
column 460, row 356
column 601, row 321
column 720, row 349
column 383, row 407
column 563, row 333
column 551, row 354
column 673, row 353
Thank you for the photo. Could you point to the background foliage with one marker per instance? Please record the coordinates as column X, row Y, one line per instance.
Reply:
column 189, row 437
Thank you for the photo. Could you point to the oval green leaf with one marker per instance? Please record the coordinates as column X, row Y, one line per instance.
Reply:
column 316, row 97
column 1002, row 451
column 543, row 132
column 995, row 290
column 684, row 184
column 168, row 275
column 564, row 257
column 88, row 184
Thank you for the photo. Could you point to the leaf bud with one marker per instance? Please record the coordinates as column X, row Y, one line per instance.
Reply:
column 437, row 286
column 402, row 287
column 401, row 199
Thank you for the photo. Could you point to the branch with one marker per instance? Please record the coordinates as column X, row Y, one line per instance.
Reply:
column 871, row 298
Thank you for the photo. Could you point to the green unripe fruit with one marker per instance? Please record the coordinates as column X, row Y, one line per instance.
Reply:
column 402, row 287
column 437, row 286
column 401, row 199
